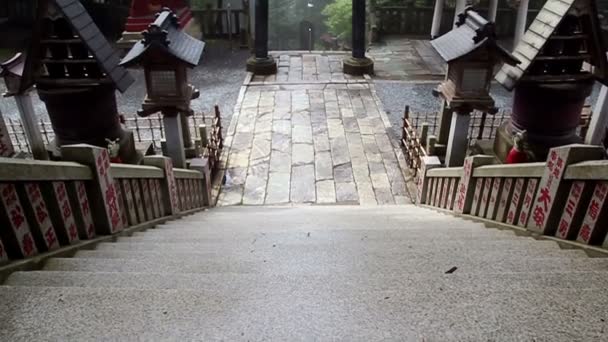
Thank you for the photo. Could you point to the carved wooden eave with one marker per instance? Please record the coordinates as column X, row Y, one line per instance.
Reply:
column 95, row 63
column 535, row 50
column 472, row 33
column 165, row 36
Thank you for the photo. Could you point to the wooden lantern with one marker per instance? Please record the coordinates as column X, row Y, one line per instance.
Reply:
column 166, row 53
column 471, row 52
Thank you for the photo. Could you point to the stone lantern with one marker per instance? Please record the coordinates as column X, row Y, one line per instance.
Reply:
column 471, row 52
column 166, row 53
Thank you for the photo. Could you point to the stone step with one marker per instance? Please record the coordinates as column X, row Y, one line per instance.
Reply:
column 311, row 252
column 267, row 226
column 59, row 313
column 307, row 213
column 320, row 263
column 322, row 236
column 237, row 232
column 356, row 247
column 261, row 285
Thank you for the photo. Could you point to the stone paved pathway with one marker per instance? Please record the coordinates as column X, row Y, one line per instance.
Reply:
column 399, row 58
column 311, row 135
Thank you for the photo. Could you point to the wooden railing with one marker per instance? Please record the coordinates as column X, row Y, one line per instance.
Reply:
column 566, row 196
column 412, row 144
column 46, row 205
column 145, row 130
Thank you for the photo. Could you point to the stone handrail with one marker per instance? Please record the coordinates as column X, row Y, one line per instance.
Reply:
column 47, row 206
column 445, row 172
column 135, row 171
column 566, row 196
column 14, row 170
column 589, row 170
column 187, row 174
column 510, row 170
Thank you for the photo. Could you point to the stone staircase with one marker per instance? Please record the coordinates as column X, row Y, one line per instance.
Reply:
column 313, row 273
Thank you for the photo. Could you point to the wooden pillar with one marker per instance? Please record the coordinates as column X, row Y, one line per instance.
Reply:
column 358, row 64
column 261, row 28
column 599, row 120
column 437, row 14
column 358, row 29
column 32, row 131
column 261, row 63
column 520, row 23
column 492, row 10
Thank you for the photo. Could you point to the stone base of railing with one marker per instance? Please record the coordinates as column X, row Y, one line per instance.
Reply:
column 37, row 262
column 564, row 198
column 47, row 206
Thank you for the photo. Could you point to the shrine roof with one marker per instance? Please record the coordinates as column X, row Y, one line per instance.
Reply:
column 81, row 22
column 165, row 33
column 540, row 30
column 472, row 32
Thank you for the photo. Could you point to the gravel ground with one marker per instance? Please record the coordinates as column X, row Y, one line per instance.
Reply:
column 396, row 95
column 218, row 78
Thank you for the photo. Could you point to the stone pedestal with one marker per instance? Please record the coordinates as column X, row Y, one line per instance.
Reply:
column 358, row 66
column 443, row 126
column 262, row 66
column 458, row 141
column 175, row 140
column 30, row 125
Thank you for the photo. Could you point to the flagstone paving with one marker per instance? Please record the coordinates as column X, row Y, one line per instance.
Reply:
column 319, row 141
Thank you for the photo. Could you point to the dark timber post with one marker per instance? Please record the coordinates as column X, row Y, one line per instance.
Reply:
column 261, row 63
column 358, row 64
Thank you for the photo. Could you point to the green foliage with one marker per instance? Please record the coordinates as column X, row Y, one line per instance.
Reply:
column 339, row 18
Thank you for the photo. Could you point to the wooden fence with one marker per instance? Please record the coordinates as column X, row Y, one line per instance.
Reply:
column 46, row 206
column 417, row 20
column 149, row 129
column 566, row 196
column 418, row 127
column 222, row 23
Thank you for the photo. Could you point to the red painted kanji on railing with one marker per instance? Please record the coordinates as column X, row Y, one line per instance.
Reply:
column 42, row 216
column 85, row 209
column 19, row 228
column 590, row 230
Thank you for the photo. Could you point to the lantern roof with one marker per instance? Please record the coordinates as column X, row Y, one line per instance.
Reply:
column 472, row 32
column 549, row 25
column 83, row 30
column 165, row 34
column 13, row 66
